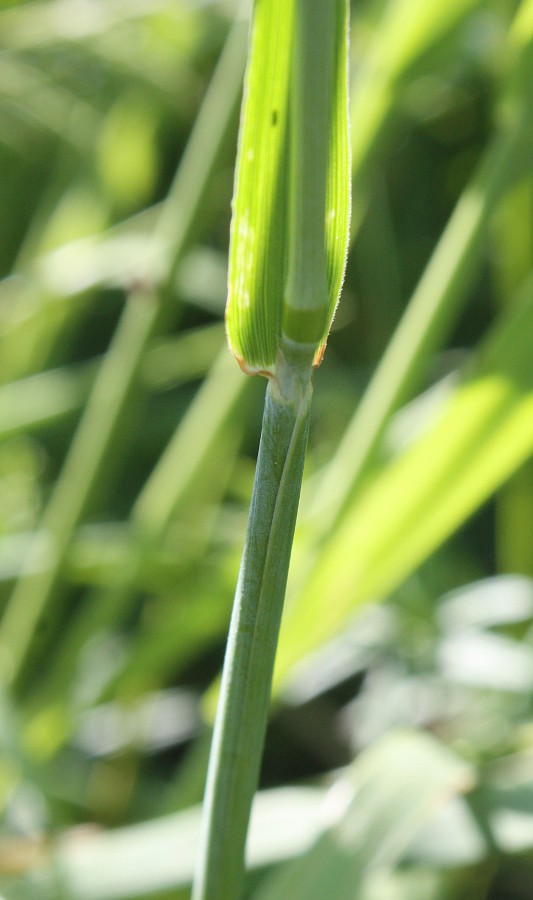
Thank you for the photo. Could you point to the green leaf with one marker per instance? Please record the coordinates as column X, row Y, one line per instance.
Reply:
column 483, row 435
column 279, row 179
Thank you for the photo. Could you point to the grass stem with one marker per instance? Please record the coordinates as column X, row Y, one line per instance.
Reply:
column 245, row 693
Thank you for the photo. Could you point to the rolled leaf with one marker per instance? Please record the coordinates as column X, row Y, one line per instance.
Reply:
column 291, row 206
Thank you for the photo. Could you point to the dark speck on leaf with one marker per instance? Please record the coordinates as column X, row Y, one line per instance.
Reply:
column 274, row 117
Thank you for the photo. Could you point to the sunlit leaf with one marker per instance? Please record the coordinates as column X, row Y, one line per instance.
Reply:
column 484, row 433
column 259, row 253
column 377, row 809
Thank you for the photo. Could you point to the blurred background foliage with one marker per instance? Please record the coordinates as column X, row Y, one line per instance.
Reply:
column 399, row 760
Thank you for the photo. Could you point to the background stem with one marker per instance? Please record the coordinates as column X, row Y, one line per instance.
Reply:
column 243, row 705
column 35, row 596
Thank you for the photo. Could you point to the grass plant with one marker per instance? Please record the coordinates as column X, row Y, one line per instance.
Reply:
column 396, row 758
column 293, row 186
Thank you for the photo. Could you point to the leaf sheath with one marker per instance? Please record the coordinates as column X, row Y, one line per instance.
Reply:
column 243, row 706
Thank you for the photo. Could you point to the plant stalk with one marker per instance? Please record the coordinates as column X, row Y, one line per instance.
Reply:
column 246, row 681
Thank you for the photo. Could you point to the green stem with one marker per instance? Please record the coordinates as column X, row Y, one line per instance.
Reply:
column 245, row 692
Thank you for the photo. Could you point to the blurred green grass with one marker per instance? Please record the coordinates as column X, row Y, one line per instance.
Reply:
column 127, row 445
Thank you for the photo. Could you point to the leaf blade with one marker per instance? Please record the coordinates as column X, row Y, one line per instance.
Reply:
column 275, row 177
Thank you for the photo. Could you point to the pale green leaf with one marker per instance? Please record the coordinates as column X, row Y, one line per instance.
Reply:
column 376, row 809
column 159, row 855
column 482, row 436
